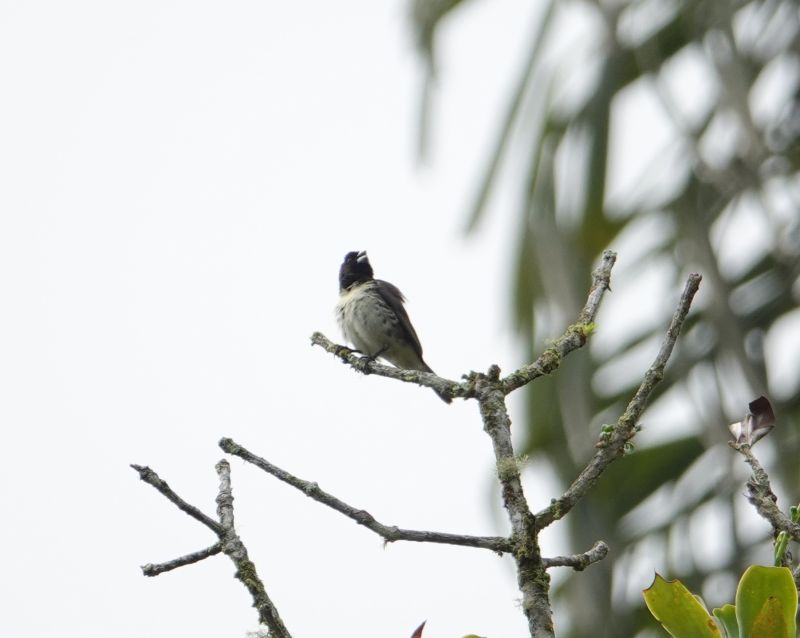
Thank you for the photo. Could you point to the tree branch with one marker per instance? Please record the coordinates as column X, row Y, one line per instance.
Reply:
column 760, row 495
column 237, row 552
column 612, row 445
column 389, row 533
column 366, row 365
column 579, row 562
column 532, row 578
column 575, row 336
column 151, row 478
column 195, row 557
column 229, row 543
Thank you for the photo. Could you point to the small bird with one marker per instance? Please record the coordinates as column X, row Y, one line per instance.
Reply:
column 371, row 316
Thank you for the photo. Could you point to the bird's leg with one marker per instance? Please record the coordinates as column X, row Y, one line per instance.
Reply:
column 369, row 358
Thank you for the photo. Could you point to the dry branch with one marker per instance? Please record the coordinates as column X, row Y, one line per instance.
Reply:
column 229, row 543
column 613, row 446
column 389, row 533
column 760, row 495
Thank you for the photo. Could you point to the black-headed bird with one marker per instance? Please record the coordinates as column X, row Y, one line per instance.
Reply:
column 371, row 316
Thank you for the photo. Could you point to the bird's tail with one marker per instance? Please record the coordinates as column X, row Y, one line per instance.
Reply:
column 441, row 395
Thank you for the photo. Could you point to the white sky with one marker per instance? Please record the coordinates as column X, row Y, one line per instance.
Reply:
column 180, row 181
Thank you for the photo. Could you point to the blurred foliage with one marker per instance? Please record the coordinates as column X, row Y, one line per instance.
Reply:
column 667, row 130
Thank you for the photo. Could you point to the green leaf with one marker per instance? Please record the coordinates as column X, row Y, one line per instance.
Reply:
column 679, row 611
column 770, row 621
column 766, row 603
column 726, row 615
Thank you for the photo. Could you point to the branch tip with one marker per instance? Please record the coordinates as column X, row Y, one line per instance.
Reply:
column 616, row 439
column 579, row 562
column 575, row 335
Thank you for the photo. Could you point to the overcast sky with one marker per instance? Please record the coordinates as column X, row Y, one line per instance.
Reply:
column 180, row 181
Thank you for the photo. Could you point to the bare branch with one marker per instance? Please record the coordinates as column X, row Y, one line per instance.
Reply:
column 151, row 478
column 532, row 579
column 237, row 552
column 574, row 337
column 366, row 365
column 389, row 533
column 195, row 557
column 579, row 562
column 229, row 543
column 760, row 494
column 613, row 447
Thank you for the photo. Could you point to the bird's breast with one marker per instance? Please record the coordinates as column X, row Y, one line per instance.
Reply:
column 365, row 319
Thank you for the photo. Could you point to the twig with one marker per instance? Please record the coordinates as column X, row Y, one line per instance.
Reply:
column 574, row 337
column 613, row 447
column 389, row 533
column 229, row 543
column 367, row 365
column 579, row 562
column 151, row 478
column 760, row 494
column 195, row 557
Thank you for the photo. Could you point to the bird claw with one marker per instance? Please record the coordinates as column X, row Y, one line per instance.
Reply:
column 363, row 363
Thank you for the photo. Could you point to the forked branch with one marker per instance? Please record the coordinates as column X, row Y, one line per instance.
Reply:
column 229, row 543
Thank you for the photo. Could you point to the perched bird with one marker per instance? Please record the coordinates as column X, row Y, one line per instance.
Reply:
column 371, row 315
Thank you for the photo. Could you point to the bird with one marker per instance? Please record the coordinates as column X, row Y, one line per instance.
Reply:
column 371, row 316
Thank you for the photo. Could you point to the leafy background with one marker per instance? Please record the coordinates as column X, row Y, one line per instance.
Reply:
column 701, row 102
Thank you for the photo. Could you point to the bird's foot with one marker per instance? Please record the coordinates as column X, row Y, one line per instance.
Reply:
column 363, row 363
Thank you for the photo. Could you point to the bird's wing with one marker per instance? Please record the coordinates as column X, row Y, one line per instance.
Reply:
column 394, row 298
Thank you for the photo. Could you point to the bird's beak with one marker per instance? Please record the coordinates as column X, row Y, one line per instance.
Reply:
column 361, row 256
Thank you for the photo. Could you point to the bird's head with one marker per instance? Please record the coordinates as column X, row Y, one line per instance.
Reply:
column 355, row 269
